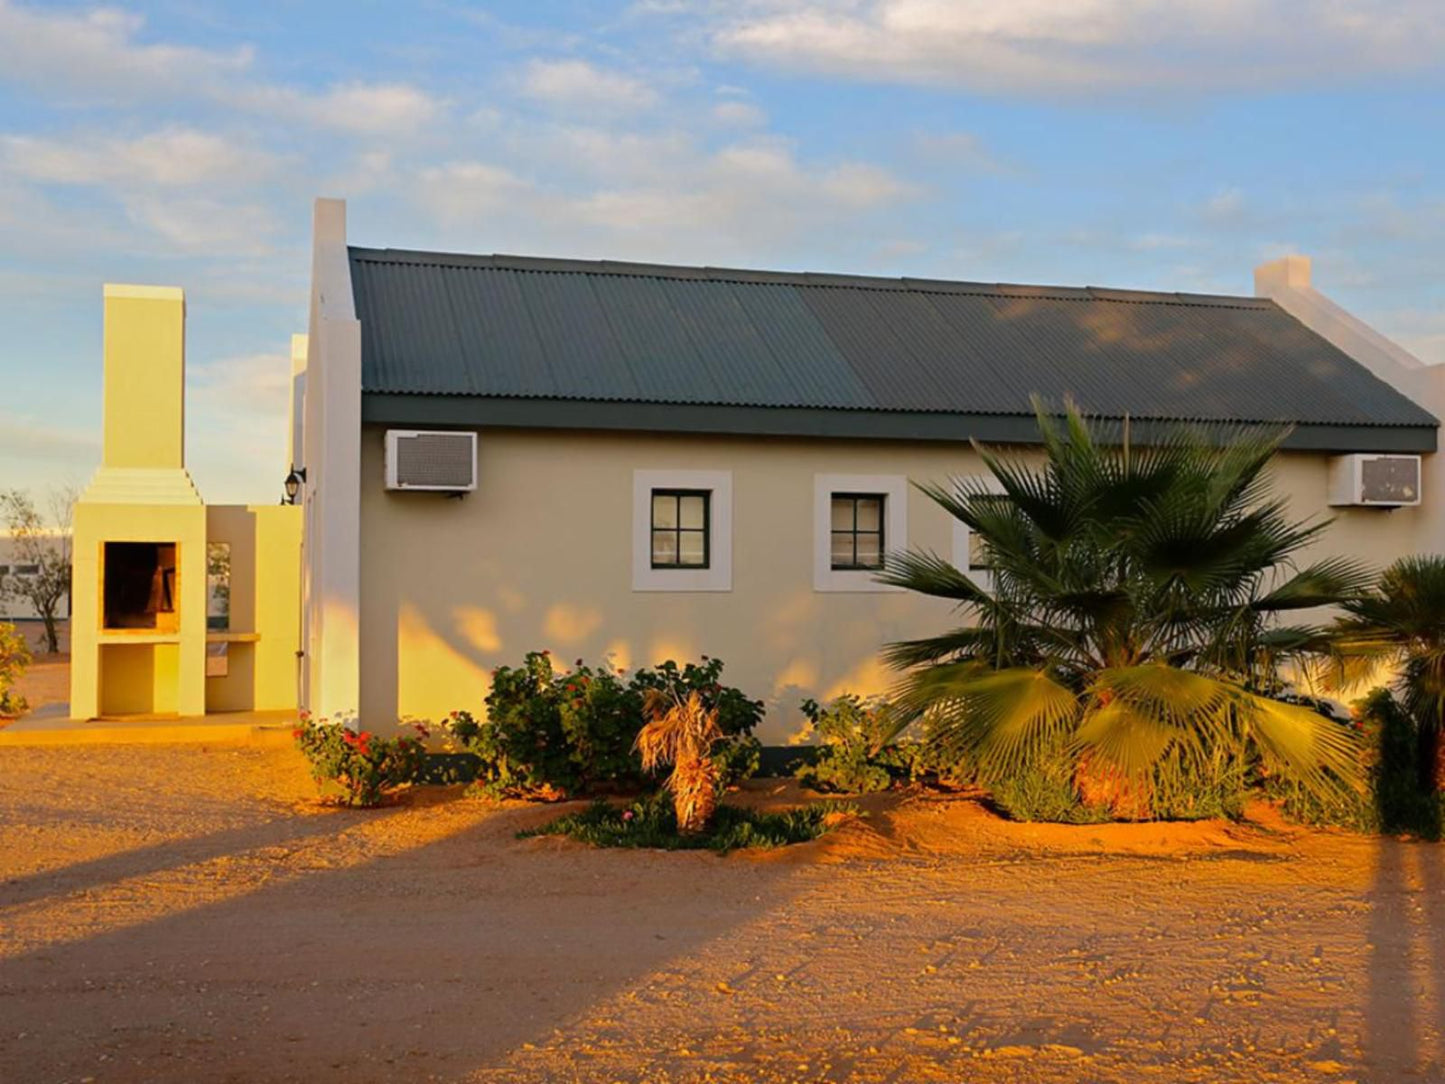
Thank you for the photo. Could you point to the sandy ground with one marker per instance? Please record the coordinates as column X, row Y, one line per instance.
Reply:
column 183, row 914
column 45, row 682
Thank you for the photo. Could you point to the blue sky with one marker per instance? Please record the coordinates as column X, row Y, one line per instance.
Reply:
column 1163, row 144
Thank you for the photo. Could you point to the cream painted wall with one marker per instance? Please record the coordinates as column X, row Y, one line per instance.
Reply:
column 265, row 624
column 540, row 557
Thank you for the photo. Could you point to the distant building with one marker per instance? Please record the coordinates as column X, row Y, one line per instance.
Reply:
column 13, row 566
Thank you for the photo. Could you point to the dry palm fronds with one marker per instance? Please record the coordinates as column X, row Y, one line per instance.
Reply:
column 682, row 733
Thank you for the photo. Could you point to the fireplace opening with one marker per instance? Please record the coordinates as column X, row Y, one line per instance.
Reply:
column 140, row 586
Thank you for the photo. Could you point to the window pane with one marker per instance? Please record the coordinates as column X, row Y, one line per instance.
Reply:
column 977, row 552
column 218, row 586
column 692, row 545
column 868, row 553
column 664, row 510
column 842, row 549
column 692, row 513
column 664, row 548
column 870, row 513
column 842, row 513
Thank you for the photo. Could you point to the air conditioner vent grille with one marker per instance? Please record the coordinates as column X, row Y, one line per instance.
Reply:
column 437, row 461
column 1390, row 480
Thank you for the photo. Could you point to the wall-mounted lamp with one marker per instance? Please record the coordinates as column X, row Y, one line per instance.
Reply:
column 293, row 484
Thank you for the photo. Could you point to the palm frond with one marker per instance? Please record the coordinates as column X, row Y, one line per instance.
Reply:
column 1317, row 753
column 999, row 717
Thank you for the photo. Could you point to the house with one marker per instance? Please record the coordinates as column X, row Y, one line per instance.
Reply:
column 634, row 462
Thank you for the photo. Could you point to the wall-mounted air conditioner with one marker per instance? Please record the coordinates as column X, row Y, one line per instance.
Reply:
column 439, row 461
column 1381, row 481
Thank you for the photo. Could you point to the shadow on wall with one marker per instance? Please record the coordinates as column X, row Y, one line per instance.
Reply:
column 411, row 658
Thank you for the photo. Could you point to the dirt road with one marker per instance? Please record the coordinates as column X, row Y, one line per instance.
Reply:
column 180, row 914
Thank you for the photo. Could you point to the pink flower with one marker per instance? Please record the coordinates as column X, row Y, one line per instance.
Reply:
column 627, row 814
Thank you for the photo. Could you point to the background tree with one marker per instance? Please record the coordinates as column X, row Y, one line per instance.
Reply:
column 1133, row 617
column 42, row 543
column 1399, row 626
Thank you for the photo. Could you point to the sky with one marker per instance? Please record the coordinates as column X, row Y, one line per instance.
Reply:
column 1155, row 144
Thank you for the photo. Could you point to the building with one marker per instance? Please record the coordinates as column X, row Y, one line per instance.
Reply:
column 178, row 608
column 675, row 461
column 15, row 564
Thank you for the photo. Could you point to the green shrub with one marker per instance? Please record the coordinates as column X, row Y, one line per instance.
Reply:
column 364, row 769
column 1045, row 791
column 550, row 735
column 14, row 661
column 736, row 714
column 1394, row 799
column 851, row 756
column 651, row 822
column 1184, row 791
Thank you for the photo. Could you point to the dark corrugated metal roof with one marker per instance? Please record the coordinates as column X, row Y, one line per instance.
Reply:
column 509, row 327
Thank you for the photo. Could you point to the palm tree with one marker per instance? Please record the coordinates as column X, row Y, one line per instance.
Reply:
column 682, row 733
column 1399, row 625
column 1133, row 614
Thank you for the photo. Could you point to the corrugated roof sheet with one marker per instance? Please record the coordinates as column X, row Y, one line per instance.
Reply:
column 519, row 327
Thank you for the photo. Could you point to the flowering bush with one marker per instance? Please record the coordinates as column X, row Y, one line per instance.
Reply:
column 367, row 769
column 14, row 659
column 549, row 734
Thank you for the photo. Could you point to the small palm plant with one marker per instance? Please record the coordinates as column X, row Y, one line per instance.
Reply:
column 1399, row 626
column 682, row 732
column 1132, row 616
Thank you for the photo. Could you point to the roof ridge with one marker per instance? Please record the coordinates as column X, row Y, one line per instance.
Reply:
column 814, row 279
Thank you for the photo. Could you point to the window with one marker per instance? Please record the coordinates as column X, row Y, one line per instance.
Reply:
column 858, row 520
column 977, row 553
column 970, row 552
column 857, row 531
column 218, row 586
column 26, row 570
column 680, row 528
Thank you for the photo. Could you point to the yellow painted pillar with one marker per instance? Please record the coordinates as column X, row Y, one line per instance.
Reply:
column 141, row 494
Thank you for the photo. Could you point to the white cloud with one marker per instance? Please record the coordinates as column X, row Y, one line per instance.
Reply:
column 199, row 224
column 859, row 185
column 577, row 84
column 739, row 114
column 689, row 203
column 961, row 149
column 464, row 191
column 172, row 157
column 1064, row 45
column 241, row 406
column 44, row 444
column 366, row 109
column 1226, row 207
column 97, row 56
column 97, row 53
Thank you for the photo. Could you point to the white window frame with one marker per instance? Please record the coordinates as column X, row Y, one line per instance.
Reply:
column 894, row 488
column 962, row 532
column 718, row 576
